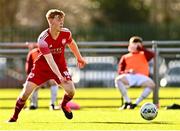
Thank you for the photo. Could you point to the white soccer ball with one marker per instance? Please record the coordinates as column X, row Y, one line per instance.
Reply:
column 148, row 111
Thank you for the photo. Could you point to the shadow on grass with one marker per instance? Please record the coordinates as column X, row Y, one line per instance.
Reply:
column 116, row 122
column 120, row 122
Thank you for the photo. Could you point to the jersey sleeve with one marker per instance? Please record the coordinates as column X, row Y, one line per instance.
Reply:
column 69, row 39
column 43, row 46
column 148, row 54
column 122, row 65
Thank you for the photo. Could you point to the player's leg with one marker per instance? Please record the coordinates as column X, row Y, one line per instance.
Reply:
column 54, row 90
column 69, row 88
column 34, row 100
column 27, row 90
column 120, row 83
column 149, row 86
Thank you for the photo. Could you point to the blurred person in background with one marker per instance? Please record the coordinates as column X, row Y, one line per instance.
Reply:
column 30, row 60
column 51, row 63
column 133, row 70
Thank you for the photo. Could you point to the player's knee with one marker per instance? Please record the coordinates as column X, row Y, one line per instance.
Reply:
column 116, row 81
column 71, row 92
column 28, row 87
column 118, row 78
column 151, row 84
column 24, row 95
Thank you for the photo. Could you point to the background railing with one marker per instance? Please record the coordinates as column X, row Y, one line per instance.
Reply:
column 13, row 55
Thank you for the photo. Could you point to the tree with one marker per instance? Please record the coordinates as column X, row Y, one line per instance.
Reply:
column 122, row 11
column 8, row 11
column 32, row 12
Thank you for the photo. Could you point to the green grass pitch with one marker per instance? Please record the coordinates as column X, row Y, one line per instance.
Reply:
column 99, row 111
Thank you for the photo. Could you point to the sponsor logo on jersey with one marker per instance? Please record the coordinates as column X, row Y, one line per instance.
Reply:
column 56, row 51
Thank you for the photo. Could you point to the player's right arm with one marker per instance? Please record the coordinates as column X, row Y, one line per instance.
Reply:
column 121, row 65
column 44, row 49
column 50, row 60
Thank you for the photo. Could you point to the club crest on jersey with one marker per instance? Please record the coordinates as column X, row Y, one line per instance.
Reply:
column 63, row 41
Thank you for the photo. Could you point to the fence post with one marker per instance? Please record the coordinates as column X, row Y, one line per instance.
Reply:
column 156, row 74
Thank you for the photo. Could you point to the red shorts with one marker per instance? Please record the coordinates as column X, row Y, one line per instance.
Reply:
column 39, row 75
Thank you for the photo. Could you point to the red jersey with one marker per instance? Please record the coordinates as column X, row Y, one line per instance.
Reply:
column 41, row 71
column 47, row 45
column 31, row 58
column 137, row 61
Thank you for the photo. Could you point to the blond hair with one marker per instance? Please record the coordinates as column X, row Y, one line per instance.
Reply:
column 135, row 39
column 52, row 13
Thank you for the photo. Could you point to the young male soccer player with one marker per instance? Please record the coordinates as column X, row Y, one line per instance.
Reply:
column 134, row 71
column 51, row 63
column 30, row 60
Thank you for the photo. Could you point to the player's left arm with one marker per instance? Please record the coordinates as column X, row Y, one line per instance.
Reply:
column 75, row 50
column 149, row 54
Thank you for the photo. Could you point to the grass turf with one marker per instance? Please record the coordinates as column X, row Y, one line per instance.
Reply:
column 99, row 111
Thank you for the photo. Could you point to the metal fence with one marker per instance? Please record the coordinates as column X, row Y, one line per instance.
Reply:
column 105, row 55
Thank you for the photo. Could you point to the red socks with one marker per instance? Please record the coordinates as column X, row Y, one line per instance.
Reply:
column 65, row 100
column 19, row 105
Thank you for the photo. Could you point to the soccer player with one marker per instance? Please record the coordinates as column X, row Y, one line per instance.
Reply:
column 51, row 63
column 133, row 70
column 30, row 60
